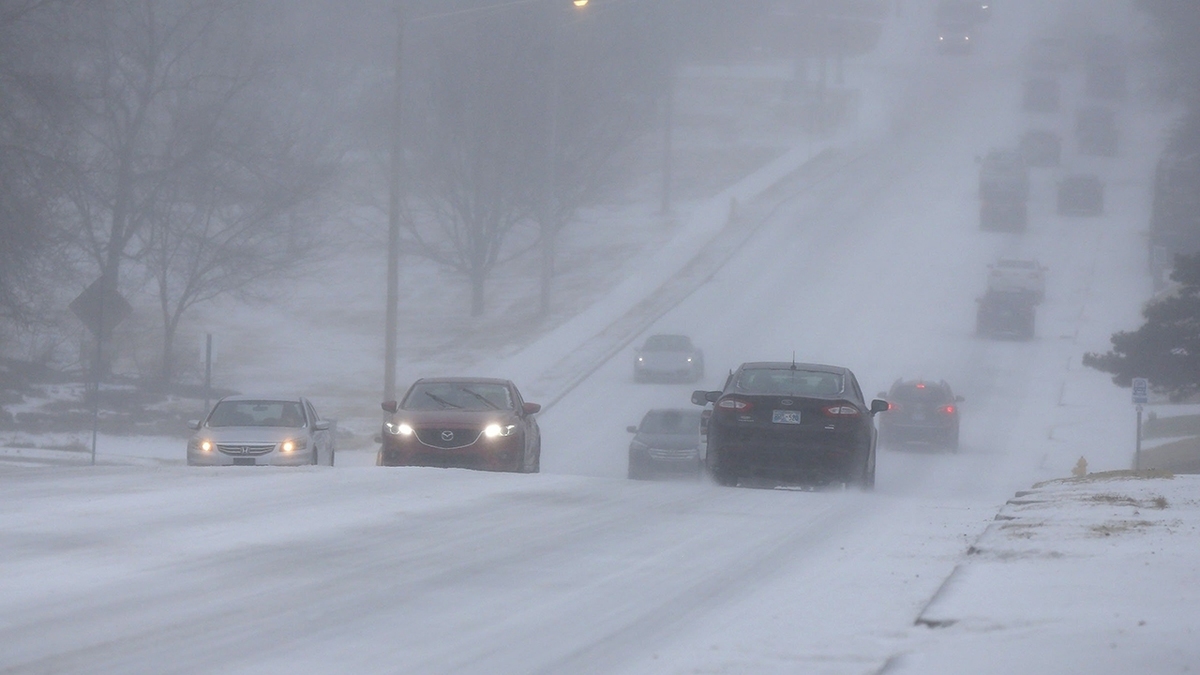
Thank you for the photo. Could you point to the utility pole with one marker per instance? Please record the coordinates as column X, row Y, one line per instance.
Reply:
column 395, row 189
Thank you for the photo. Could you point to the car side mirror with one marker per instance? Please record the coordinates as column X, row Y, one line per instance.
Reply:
column 701, row 397
column 390, row 406
column 321, row 425
column 879, row 405
column 959, row 399
column 531, row 408
column 632, row 430
column 194, row 425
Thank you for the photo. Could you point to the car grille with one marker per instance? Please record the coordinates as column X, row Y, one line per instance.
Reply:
column 448, row 439
column 672, row 454
column 245, row 450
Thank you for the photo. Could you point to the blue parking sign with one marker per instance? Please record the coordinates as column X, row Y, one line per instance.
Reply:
column 1141, row 390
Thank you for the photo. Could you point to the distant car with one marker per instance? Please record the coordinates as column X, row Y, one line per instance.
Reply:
column 956, row 37
column 920, row 411
column 666, row 442
column 252, row 431
column 473, row 423
column 668, row 357
column 1048, row 53
column 1006, row 314
column 1009, row 215
column 1081, row 195
column 1003, row 174
column 1041, row 95
column 1096, row 131
column 791, row 422
column 1041, row 148
column 1018, row 276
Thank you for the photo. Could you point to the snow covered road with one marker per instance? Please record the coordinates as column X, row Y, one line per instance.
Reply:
column 576, row 570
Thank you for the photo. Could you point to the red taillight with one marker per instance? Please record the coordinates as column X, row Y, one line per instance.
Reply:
column 893, row 406
column 841, row 411
column 920, row 385
column 734, row 404
column 948, row 409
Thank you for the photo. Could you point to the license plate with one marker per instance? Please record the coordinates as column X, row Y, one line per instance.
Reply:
column 243, row 461
column 785, row 416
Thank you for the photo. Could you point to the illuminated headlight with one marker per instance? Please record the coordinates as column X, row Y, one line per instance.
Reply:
column 689, row 359
column 641, row 359
column 496, row 430
column 401, row 429
column 292, row 446
column 203, row 445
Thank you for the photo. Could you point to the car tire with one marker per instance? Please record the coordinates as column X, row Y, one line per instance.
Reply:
column 537, row 457
column 316, row 456
column 866, row 477
column 332, row 455
column 951, row 441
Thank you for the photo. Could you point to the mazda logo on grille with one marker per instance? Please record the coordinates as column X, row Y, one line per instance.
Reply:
column 447, row 435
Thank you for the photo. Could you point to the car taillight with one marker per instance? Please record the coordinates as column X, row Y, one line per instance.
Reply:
column 893, row 406
column 948, row 409
column 920, row 385
column 841, row 411
column 734, row 404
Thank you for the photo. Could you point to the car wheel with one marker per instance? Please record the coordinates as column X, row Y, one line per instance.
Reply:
column 952, row 440
column 537, row 457
column 332, row 455
column 721, row 473
column 634, row 474
column 316, row 456
column 864, row 477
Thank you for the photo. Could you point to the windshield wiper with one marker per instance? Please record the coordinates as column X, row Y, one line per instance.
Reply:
column 442, row 401
column 481, row 397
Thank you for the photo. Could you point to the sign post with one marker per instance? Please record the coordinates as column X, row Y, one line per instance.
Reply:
column 100, row 307
column 1141, row 396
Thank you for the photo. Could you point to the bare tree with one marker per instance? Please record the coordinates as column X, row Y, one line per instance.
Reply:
column 473, row 127
column 32, row 94
column 183, row 160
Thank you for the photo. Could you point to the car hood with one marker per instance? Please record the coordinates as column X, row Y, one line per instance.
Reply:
column 251, row 434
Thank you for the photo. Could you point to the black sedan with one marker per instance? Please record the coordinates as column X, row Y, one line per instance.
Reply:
column 666, row 442
column 791, row 422
column 473, row 423
column 921, row 411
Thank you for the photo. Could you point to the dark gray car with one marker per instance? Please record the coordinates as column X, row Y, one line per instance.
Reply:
column 667, row 442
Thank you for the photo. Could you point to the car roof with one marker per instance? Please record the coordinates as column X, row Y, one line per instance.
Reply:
column 1016, row 262
column 785, row 365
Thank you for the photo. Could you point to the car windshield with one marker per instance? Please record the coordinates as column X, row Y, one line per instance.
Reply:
column 789, row 382
column 917, row 393
column 473, row 396
column 668, row 343
column 257, row 414
column 670, row 422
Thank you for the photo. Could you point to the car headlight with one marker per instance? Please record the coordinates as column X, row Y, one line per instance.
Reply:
column 400, row 429
column 496, row 430
column 293, row 445
column 202, row 444
column 638, row 445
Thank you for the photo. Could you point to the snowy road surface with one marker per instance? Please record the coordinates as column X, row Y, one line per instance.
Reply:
column 576, row 570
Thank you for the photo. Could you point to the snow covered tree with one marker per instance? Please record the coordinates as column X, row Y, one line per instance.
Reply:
column 1166, row 349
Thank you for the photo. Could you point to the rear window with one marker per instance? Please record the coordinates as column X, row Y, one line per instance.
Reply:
column 788, row 382
column 912, row 393
column 670, row 422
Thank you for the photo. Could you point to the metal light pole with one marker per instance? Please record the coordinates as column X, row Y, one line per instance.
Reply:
column 395, row 188
column 668, row 108
column 549, row 195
